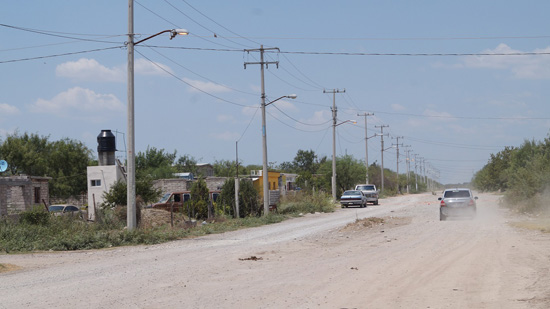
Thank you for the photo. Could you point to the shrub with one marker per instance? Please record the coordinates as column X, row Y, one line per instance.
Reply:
column 35, row 216
column 305, row 203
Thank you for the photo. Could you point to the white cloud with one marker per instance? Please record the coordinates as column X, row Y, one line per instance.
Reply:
column 225, row 118
column 319, row 120
column 226, row 136
column 79, row 102
column 521, row 66
column 90, row 70
column 438, row 115
column 398, row 107
column 146, row 67
column 6, row 109
column 205, row 86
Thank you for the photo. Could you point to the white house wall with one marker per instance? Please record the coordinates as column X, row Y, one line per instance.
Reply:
column 107, row 175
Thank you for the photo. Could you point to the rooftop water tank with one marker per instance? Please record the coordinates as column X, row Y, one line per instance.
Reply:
column 106, row 147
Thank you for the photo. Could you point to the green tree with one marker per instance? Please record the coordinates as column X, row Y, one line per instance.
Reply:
column 225, row 168
column 65, row 161
column 117, row 194
column 248, row 198
column 199, row 199
column 156, row 163
column 186, row 164
column 68, row 162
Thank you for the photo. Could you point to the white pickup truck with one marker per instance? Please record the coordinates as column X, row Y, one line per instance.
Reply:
column 370, row 192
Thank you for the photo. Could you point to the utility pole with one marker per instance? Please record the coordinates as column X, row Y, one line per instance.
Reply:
column 415, row 172
column 408, row 161
column 334, row 112
column 265, row 175
column 366, row 143
column 382, row 154
column 237, row 215
column 397, row 146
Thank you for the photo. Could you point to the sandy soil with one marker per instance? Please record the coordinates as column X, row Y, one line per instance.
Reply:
column 401, row 256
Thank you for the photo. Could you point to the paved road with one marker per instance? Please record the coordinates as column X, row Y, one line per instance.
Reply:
column 412, row 261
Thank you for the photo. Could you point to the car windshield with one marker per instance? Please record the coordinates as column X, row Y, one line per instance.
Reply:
column 164, row 198
column 56, row 208
column 457, row 193
column 352, row 193
column 366, row 188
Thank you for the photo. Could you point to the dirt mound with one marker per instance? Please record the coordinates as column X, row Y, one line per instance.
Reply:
column 375, row 224
column 156, row 217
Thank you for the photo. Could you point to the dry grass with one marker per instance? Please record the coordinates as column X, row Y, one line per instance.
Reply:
column 538, row 224
column 4, row 268
column 374, row 223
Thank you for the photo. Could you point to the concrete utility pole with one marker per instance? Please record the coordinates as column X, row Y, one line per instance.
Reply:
column 382, row 153
column 397, row 146
column 265, row 174
column 415, row 172
column 131, row 219
column 366, row 143
column 334, row 112
column 237, row 215
column 408, row 151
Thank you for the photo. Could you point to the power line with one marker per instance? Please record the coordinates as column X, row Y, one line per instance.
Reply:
column 63, row 34
column 238, row 36
column 190, row 85
column 61, row 55
column 402, row 38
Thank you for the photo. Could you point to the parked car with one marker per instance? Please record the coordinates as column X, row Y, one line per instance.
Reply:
column 65, row 210
column 353, row 198
column 458, row 202
column 370, row 192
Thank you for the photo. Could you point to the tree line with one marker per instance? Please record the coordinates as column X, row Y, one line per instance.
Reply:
column 522, row 173
column 66, row 161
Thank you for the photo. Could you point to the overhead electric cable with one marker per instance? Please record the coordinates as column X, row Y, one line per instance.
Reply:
column 298, row 121
column 192, row 86
column 201, row 76
column 204, row 27
column 238, row 36
column 61, row 34
column 61, row 55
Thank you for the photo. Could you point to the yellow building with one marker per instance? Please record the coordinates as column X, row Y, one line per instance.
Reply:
column 274, row 180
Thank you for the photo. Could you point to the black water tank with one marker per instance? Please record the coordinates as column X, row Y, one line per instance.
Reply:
column 106, row 147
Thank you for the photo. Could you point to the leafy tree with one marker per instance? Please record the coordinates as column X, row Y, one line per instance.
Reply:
column 65, row 161
column 225, row 168
column 248, row 198
column 68, row 162
column 117, row 194
column 305, row 161
column 186, row 164
column 199, row 199
column 157, row 163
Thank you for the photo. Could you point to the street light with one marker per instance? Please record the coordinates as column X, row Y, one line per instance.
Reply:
column 265, row 177
column 334, row 156
column 131, row 156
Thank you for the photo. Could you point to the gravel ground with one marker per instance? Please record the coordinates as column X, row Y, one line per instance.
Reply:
column 401, row 256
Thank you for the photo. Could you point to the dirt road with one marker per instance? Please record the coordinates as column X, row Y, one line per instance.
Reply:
column 411, row 261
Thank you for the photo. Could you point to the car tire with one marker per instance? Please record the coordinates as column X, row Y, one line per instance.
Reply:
column 376, row 202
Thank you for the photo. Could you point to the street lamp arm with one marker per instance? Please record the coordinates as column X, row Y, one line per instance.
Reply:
column 173, row 33
column 291, row 96
column 352, row 121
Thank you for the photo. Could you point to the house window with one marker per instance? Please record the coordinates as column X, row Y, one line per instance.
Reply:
column 37, row 195
column 96, row 182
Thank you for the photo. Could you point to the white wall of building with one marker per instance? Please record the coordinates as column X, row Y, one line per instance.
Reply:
column 100, row 180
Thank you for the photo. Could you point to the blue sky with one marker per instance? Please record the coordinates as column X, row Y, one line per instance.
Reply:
column 427, row 69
